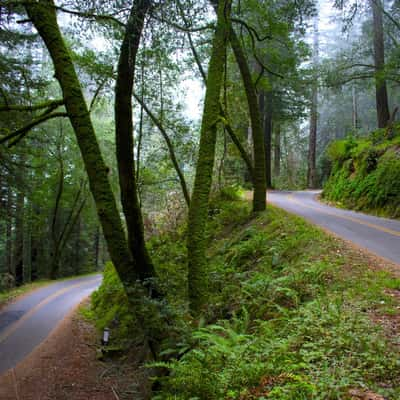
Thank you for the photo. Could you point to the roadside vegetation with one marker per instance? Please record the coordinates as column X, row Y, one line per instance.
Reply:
column 118, row 115
column 289, row 314
column 366, row 172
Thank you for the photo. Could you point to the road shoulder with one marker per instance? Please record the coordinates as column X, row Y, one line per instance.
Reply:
column 64, row 366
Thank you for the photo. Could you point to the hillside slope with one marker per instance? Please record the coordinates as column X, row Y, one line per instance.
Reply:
column 366, row 173
column 290, row 314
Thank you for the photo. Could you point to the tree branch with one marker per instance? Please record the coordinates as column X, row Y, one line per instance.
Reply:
column 228, row 127
column 96, row 94
column 238, row 145
column 180, row 27
column 96, row 17
column 252, row 31
column 192, row 46
column 51, row 104
column 22, row 132
column 170, row 146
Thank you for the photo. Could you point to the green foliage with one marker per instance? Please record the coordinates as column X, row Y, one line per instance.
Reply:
column 366, row 174
column 285, row 319
column 289, row 324
column 232, row 193
column 110, row 308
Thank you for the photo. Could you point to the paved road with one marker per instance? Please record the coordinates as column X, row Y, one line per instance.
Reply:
column 379, row 235
column 25, row 323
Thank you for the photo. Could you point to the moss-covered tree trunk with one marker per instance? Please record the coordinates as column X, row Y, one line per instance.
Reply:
column 43, row 16
column 259, row 181
column 124, row 138
column 198, row 211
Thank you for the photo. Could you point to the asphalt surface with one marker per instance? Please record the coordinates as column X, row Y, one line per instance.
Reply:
column 378, row 235
column 25, row 323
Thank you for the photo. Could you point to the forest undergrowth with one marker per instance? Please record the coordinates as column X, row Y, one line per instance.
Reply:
column 366, row 173
column 289, row 316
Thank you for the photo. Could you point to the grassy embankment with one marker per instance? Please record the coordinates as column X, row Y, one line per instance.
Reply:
column 289, row 315
column 366, row 173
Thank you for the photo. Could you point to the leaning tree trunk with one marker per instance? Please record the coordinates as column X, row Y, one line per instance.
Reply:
column 43, row 16
column 124, row 139
column 259, row 182
column 382, row 105
column 9, row 223
column 198, row 211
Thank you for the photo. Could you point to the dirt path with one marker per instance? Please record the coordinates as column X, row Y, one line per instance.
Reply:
column 65, row 366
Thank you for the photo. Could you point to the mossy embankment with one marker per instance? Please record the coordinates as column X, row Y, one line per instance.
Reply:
column 289, row 313
column 366, row 173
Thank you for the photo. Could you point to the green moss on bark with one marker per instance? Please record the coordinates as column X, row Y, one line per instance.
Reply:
column 124, row 139
column 196, row 242
column 259, row 178
column 43, row 16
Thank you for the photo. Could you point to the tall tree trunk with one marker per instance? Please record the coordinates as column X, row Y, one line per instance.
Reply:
column 124, row 139
column 198, row 211
column 249, row 175
column 9, row 223
column 277, row 150
column 18, row 256
column 55, row 225
column 312, row 146
column 259, row 183
column 287, row 152
column 77, row 247
column 43, row 16
column 355, row 108
column 382, row 105
column 27, row 243
column 268, row 138
column 259, row 180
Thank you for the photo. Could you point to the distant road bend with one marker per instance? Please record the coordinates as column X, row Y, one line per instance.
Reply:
column 25, row 323
column 378, row 235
